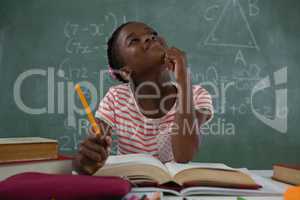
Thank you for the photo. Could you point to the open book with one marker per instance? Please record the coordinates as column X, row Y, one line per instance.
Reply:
column 142, row 169
column 269, row 188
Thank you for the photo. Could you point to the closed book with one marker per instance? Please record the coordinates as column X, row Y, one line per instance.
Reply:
column 27, row 148
column 287, row 173
column 60, row 165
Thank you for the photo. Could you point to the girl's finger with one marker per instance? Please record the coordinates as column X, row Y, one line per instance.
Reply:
column 169, row 64
column 162, row 41
column 92, row 145
column 108, row 149
column 103, row 153
column 176, row 51
column 171, row 54
column 89, row 154
column 108, row 140
column 98, row 139
column 91, row 131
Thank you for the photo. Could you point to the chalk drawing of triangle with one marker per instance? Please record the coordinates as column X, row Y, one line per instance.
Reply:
column 232, row 28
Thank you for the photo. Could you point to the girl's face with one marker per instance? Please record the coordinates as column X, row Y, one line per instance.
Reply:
column 141, row 49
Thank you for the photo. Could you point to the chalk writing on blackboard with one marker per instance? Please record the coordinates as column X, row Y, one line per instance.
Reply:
column 219, row 35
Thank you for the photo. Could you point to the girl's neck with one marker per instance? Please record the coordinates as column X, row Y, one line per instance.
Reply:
column 151, row 82
column 151, row 90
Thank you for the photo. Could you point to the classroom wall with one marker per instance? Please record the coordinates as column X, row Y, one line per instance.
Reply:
column 245, row 52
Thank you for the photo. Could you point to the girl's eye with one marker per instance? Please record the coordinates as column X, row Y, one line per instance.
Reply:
column 155, row 33
column 134, row 40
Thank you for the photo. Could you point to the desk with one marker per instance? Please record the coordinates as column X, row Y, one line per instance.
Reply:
column 263, row 173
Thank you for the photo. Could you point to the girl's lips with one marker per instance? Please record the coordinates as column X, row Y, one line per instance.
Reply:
column 153, row 44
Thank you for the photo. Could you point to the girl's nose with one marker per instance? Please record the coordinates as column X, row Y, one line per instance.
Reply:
column 149, row 37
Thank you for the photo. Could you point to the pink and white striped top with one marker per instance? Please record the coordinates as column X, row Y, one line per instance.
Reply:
column 137, row 133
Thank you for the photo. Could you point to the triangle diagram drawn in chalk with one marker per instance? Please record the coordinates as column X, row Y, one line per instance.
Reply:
column 232, row 28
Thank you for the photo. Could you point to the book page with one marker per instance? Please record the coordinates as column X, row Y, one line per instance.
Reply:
column 227, row 191
column 269, row 188
column 155, row 189
column 174, row 167
column 130, row 159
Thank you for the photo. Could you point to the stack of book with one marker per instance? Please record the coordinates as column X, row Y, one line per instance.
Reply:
column 31, row 154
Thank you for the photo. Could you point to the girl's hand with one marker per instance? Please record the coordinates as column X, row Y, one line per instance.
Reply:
column 176, row 62
column 93, row 152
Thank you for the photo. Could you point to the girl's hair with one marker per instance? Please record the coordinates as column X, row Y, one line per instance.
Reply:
column 114, row 60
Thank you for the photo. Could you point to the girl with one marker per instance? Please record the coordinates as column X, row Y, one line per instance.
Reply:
column 149, row 112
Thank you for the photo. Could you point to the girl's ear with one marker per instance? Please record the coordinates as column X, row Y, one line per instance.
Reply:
column 125, row 72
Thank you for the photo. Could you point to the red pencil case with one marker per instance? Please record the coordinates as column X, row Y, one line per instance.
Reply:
column 40, row 186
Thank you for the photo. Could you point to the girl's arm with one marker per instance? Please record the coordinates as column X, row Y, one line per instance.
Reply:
column 186, row 130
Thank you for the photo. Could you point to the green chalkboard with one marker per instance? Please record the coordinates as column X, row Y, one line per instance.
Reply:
column 245, row 52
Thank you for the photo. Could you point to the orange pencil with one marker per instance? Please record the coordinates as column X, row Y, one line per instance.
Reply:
column 87, row 109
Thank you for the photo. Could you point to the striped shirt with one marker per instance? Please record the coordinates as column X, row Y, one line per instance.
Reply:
column 137, row 133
